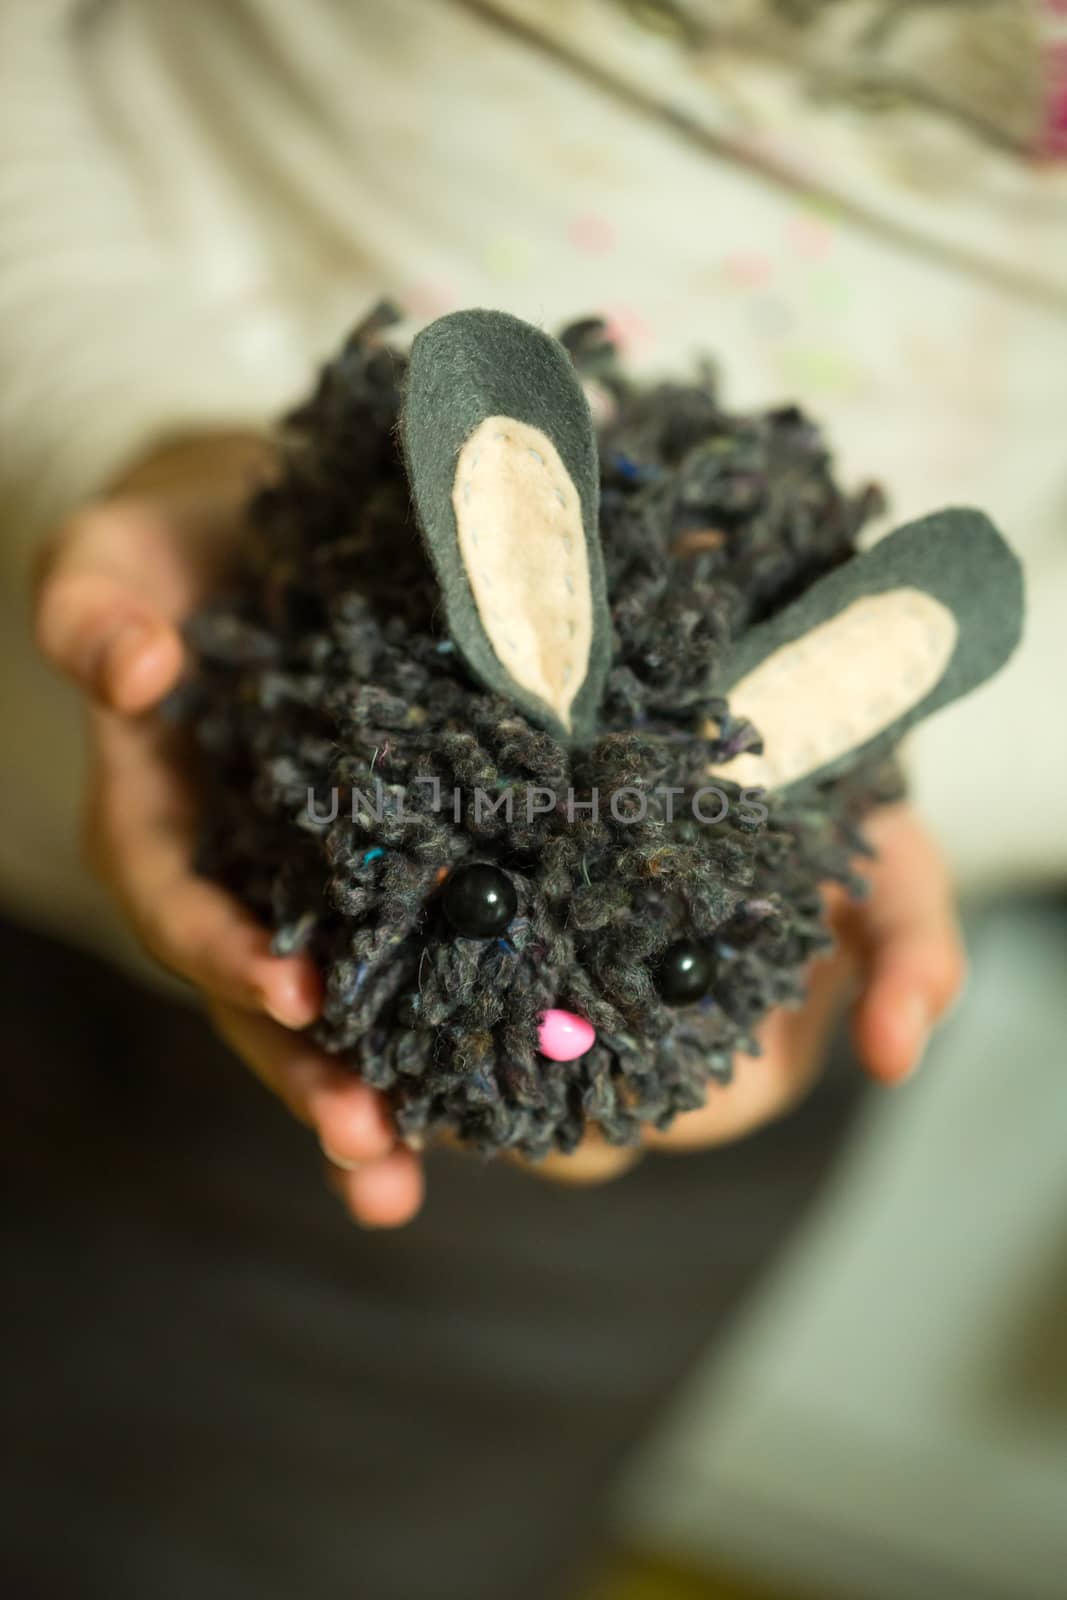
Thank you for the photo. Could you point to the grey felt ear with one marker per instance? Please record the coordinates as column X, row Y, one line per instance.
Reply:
column 886, row 639
column 503, row 466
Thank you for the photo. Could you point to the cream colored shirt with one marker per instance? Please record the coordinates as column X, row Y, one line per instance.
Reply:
column 198, row 199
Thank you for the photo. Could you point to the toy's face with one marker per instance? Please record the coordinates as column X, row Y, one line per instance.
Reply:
column 598, row 969
column 636, row 985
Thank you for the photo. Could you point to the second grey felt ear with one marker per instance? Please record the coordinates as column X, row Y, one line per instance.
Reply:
column 504, row 471
column 880, row 643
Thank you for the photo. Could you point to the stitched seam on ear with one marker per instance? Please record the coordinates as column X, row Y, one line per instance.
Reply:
column 565, row 538
column 531, row 670
column 919, row 633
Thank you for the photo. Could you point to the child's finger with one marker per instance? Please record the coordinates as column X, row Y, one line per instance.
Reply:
column 909, row 943
column 595, row 1161
column 116, row 648
column 350, row 1118
column 386, row 1194
column 197, row 931
column 110, row 588
column 142, row 841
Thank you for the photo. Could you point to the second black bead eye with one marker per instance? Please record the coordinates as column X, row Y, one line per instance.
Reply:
column 479, row 900
column 684, row 973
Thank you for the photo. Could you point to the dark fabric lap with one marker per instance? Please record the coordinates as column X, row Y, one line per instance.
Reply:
column 218, row 1386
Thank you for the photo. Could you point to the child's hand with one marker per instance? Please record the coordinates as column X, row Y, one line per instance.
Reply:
column 114, row 586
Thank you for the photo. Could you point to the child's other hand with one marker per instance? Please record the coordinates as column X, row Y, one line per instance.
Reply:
column 114, row 586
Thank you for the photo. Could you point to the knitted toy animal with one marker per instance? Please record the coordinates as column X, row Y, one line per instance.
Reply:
column 541, row 743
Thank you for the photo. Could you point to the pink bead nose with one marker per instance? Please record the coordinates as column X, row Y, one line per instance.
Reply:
column 561, row 1036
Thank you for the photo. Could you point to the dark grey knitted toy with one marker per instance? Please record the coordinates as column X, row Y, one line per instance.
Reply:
column 548, row 788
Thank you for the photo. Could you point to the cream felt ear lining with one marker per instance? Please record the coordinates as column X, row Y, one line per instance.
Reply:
column 519, row 525
column 885, row 639
column 505, row 478
column 840, row 686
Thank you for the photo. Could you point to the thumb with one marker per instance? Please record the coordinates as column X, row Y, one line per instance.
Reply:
column 99, row 620
column 908, row 941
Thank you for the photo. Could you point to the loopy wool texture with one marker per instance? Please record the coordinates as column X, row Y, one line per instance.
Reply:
column 324, row 672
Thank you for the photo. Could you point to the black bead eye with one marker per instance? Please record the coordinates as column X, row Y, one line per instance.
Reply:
column 684, row 973
column 479, row 900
